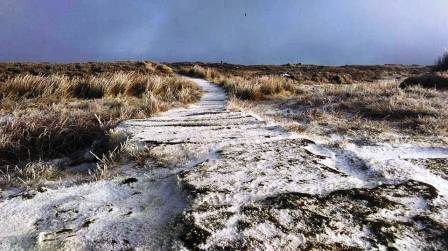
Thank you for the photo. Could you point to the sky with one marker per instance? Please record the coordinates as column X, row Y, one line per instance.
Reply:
column 332, row 32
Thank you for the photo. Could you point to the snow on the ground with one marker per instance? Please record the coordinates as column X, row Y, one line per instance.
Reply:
column 104, row 215
column 286, row 194
column 228, row 179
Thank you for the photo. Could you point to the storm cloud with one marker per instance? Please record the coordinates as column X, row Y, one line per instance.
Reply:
column 235, row 31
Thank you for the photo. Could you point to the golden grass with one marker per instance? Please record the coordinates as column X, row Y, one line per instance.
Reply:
column 93, row 87
column 258, row 88
column 246, row 88
column 164, row 69
column 197, row 71
column 44, row 117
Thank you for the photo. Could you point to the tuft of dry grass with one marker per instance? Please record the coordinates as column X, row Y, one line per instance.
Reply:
column 51, row 132
column 45, row 117
column 258, row 88
column 33, row 173
column 164, row 69
column 197, row 71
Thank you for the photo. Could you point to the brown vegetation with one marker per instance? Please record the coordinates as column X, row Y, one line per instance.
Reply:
column 438, row 79
column 55, row 115
column 251, row 88
column 9, row 70
column 258, row 88
column 369, row 109
column 344, row 99
column 314, row 73
column 197, row 71
column 434, row 80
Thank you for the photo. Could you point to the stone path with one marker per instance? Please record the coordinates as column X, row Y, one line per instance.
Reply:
column 251, row 184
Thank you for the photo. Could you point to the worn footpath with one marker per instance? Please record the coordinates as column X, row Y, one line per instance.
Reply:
column 221, row 178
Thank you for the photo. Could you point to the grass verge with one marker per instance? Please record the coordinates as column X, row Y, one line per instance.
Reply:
column 44, row 117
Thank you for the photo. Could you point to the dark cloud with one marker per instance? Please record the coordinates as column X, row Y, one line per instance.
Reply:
column 272, row 31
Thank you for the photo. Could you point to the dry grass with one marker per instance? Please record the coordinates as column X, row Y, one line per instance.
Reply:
column 58, row 87
column 164, row 69
column 44, row 117
column 258, row 88
column 33, row 173
column 434, row 80
column 365, row 107
column 372, row 108
column 246, row 88
column 47, row 133
column 437, row 79
column 10, row 70
column 315, row 74
column 197, row 71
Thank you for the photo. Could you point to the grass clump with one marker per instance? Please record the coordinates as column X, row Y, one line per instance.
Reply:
column 164, row 69
column 32, row 173
column 197, row 71
column 50, row 132
column 258, row 88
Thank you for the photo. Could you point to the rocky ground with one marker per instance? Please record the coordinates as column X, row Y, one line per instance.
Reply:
column 222, row 178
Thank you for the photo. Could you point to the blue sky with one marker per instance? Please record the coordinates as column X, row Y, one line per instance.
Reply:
column 274, row 31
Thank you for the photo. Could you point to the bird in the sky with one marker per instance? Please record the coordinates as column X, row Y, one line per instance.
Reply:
column 245, row 14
